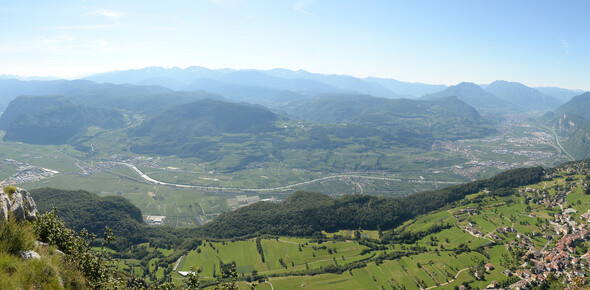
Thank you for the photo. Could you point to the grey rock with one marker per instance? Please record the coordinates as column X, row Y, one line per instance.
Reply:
column 30, row 206
column 21, row 204
column 28, row 255
column 41, row 244
column 17, row 206
column 4, row 206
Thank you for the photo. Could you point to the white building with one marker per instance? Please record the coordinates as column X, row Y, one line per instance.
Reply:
column 155, row 220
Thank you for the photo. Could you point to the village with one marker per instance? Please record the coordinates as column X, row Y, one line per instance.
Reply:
column 26, row 172
column 563, row 258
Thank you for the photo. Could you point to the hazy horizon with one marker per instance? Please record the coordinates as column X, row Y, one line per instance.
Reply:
column 537, row 43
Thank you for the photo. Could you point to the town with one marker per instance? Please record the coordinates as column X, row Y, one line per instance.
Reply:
column 565, row 255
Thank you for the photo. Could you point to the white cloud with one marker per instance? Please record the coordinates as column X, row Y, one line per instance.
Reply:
column 80, row 27
column 227, row 3
column 567, row 51
column 61, row 46
column 302, row 5
column 106, row 13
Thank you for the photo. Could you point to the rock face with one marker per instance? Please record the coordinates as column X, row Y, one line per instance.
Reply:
column 19, row 203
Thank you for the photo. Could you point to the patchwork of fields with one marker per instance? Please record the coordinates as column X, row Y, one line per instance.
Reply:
column 483, row 229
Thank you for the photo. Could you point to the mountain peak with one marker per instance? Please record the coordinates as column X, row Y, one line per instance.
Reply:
column 522, row 96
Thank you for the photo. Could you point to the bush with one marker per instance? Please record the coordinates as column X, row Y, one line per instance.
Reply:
column 9, row 190
column 77, row 247
column 15, row 236
column 52, row 271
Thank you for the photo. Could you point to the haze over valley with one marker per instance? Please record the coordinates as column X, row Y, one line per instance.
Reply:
column 216, row 135
column 315, row 144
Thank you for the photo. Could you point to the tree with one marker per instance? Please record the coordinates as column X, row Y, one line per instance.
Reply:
column 192, row 281
column 231, row 277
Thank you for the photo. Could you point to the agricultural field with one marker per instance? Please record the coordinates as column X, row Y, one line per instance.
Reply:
column 279, row 255
column 483, row 229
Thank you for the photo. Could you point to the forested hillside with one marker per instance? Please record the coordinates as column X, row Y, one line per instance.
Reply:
column 207, row 118
column 305, row 213
column 446, row 118
column 85, row 210
column 59, row 124
column 572, row 120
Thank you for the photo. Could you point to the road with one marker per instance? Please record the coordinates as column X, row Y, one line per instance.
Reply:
column 559, row 144
column 547, row 244
column 432, row 287
column 279, row 188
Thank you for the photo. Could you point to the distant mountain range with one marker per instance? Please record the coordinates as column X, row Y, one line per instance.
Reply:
column 563, row 95
column 472, row 95
column 263, row 87
column 522, row 96
column 278, row 87
column 57, row 111
column 81, row 104
column 499, row 96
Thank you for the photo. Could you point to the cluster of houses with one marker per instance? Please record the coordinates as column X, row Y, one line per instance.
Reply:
column 539, row 265
column 559, row 261
column 562, row 262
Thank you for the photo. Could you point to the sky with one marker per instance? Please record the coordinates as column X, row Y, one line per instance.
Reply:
column 538, row 43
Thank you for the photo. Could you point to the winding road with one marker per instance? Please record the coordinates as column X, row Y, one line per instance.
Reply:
column 278, row 188
column 443, row 284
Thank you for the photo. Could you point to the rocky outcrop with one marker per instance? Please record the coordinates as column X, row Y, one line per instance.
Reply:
column 18, row 202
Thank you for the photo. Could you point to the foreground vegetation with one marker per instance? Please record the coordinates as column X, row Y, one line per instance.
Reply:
column 66, row 259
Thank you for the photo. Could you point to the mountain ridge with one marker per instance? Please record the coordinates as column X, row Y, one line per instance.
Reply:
column 522, row 96
column 472, row 95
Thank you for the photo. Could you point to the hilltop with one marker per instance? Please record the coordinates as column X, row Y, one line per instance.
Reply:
column 577, row 105
column 446, row 118
column 522, row 96
column 180, row 130
column 472, row 95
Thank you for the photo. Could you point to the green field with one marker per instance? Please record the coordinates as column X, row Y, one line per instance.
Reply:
column 312, row 255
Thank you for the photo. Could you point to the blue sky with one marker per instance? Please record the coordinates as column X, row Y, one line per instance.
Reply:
column 538, row 43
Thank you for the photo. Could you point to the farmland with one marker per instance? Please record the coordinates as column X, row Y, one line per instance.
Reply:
column 214, row 190
column 498, row 231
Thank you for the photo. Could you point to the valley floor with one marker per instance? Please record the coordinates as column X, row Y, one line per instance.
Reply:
column 190, row 193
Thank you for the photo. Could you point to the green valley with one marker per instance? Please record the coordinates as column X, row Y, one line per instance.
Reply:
column 522, row 227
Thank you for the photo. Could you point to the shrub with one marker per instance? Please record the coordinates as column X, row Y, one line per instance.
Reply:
column 9, row 190
column 77, row 247
column 15, row 236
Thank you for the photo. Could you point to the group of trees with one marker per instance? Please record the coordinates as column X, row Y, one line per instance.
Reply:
column 302, row 214
column 306, row 213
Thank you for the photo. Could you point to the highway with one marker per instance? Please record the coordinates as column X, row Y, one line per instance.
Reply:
column 559, row 144
column 280, row 188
